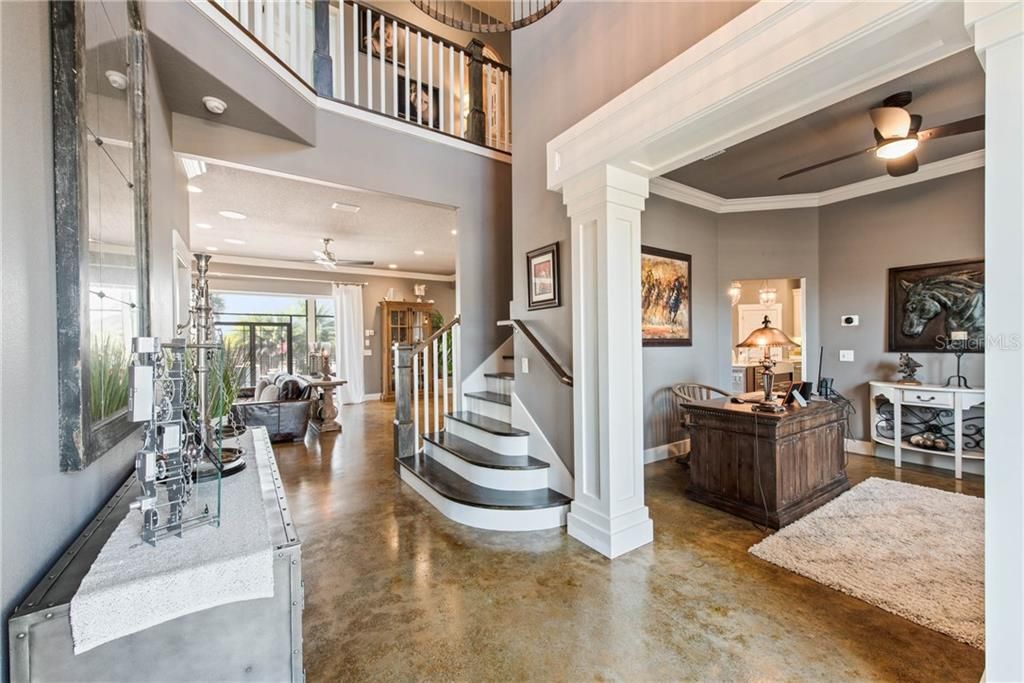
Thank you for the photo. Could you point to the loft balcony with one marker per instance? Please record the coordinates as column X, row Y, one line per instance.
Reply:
column 372, row 65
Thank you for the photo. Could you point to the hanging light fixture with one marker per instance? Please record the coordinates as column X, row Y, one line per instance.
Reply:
column 499, row 17
column 735, row 291
column 766, row 295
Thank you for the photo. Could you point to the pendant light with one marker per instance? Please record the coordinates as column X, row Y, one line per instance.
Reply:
column 766, row 295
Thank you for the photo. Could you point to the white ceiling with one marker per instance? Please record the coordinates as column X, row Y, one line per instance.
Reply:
column 288, row 218
column 944, row 91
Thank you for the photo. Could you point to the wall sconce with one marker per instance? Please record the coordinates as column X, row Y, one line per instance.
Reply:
column 735, row 291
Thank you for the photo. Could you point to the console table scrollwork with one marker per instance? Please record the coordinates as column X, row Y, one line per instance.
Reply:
column 953, row 415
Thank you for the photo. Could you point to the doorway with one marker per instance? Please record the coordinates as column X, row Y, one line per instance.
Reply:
column 782, row 302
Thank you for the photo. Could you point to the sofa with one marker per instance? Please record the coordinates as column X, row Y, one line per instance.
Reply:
column 281, row 402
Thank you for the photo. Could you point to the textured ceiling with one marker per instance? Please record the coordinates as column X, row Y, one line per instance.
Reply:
column 948, row 90
column 286, row 219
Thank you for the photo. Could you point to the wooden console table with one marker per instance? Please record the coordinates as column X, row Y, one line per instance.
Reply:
column 915, row 409
column 325, row 412
column 797, row 458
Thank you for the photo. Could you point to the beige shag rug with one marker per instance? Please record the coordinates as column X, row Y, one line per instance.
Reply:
column 911, row 550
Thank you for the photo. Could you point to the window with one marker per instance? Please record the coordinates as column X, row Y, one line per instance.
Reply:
column 324, row 332
column 262, row 333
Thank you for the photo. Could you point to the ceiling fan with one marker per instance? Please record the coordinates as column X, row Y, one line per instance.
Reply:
column 328, row 259
column 898, row 134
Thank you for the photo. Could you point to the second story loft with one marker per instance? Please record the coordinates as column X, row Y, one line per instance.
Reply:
column 380, row 63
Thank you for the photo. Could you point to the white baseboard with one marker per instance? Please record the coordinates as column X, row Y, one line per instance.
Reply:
column 666, row 451
column 860, row 447
column 371, row 397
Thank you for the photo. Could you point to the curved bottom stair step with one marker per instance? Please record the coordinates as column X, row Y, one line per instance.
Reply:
column 462, row 501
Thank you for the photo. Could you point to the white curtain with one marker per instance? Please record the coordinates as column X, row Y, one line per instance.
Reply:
column 348, row 336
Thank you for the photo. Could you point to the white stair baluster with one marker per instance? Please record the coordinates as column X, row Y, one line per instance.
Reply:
column 419, row 77
column 437, row 400
column 426, row 387
column 430, row 79
column 339, row 64
column 355, row 54
column 369, row 58
column 415, row 397
column 444, row 367
column 462, row 93
column 293, row 35
column 383, row 62
column 440, row 85
column 451, row 90
column 394, row 67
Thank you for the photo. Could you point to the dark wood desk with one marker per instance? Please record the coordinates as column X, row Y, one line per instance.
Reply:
column 797, row 458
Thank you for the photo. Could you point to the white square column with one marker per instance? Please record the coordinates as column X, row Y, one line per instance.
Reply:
column 998, row 30
column 608, row 512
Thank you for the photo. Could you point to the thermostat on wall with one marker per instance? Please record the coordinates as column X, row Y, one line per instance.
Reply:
column 850, row 320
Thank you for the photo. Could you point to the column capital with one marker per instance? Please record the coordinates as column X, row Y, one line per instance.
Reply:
column 991, row 22
column 603, row 185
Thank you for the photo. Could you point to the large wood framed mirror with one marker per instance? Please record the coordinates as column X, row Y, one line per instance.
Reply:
column 101, row 187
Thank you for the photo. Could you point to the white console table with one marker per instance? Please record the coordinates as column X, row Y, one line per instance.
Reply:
column 947, row 406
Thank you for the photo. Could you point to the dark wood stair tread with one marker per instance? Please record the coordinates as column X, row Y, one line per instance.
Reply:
column 488, row 424
column 453, row 487
column 492, row 397
column 500, row 375
column 508, row 357
column 483, row 457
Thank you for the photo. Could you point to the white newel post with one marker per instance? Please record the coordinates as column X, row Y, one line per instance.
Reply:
column 608, row 512
column 998, row 30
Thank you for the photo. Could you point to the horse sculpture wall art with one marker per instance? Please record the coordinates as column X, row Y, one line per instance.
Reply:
column 930, row 302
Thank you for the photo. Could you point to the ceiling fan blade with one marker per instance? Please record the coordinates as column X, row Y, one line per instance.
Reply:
column 970, row 125
column 915, row 123
column 347, row 262
column 826, row 163
column 905, row 165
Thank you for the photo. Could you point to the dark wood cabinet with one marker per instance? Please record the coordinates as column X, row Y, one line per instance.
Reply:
column 755, row 383
column 402, row 322
column 796, row 458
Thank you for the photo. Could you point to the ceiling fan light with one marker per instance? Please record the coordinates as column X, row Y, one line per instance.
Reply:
column 895, row 148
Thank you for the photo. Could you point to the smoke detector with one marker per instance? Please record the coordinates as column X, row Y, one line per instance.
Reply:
column 214, row 105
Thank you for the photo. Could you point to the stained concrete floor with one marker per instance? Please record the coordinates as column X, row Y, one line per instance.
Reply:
column 395, row 591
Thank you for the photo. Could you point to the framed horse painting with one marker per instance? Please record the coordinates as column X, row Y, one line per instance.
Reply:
column 937, row 307
column 666, row 297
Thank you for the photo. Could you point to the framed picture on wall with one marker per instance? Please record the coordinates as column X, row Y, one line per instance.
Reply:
column 666, row 297
column 542, row 279
column 935, row 304
column 393, row 44
column 415, row 103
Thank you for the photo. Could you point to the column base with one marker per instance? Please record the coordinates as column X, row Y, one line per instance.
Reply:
column 610, row 537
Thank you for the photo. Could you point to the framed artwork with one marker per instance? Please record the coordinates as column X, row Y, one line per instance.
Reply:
column 423, row 101
column 394, row 44
column 666, row 297
column 934, row 304
column 542, row 278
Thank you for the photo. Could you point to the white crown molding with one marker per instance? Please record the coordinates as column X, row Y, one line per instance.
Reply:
column 670, row 189
column 299, row 265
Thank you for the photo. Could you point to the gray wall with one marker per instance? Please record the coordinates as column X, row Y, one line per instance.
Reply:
column 670, row 225
column 940, row 220
column 43, row 509
column 766, row 245
column 443, row 294
column 566, row 66
column 360, row 154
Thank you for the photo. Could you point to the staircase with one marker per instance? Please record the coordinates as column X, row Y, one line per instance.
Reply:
column 477, row 470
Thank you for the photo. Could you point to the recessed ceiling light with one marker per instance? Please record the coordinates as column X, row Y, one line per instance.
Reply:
column 193, row 167
column 232, row 240
column 193, row 189
column 392, row 266
column 204, row 226
column 347, row 208
column 117, row 80
column 214, row 105
column 212, row 249
column 418, row 252
column 455, row 232
column 233, row 215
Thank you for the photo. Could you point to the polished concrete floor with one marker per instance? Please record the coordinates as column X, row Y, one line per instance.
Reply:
column 395, row 591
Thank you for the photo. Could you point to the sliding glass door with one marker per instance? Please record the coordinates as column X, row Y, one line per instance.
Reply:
column 257, row 349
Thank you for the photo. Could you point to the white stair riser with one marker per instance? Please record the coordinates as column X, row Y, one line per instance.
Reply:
column 500, row 386
column 489, row 408
column 487, row 518
column 489, row 477
column 506, row 445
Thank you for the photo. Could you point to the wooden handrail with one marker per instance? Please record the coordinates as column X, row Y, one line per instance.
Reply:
column 563, row 375
column 444, row 328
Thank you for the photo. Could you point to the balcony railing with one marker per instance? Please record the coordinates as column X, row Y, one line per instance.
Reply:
column 380, row 63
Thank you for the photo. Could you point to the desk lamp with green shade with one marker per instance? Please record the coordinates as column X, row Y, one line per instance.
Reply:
column 767, row 337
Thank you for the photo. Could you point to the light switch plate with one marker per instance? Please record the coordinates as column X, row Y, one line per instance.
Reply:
column 366, row 342
column 524, row 364
column 846, row 355
column 369, row 333
column 367, row 352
